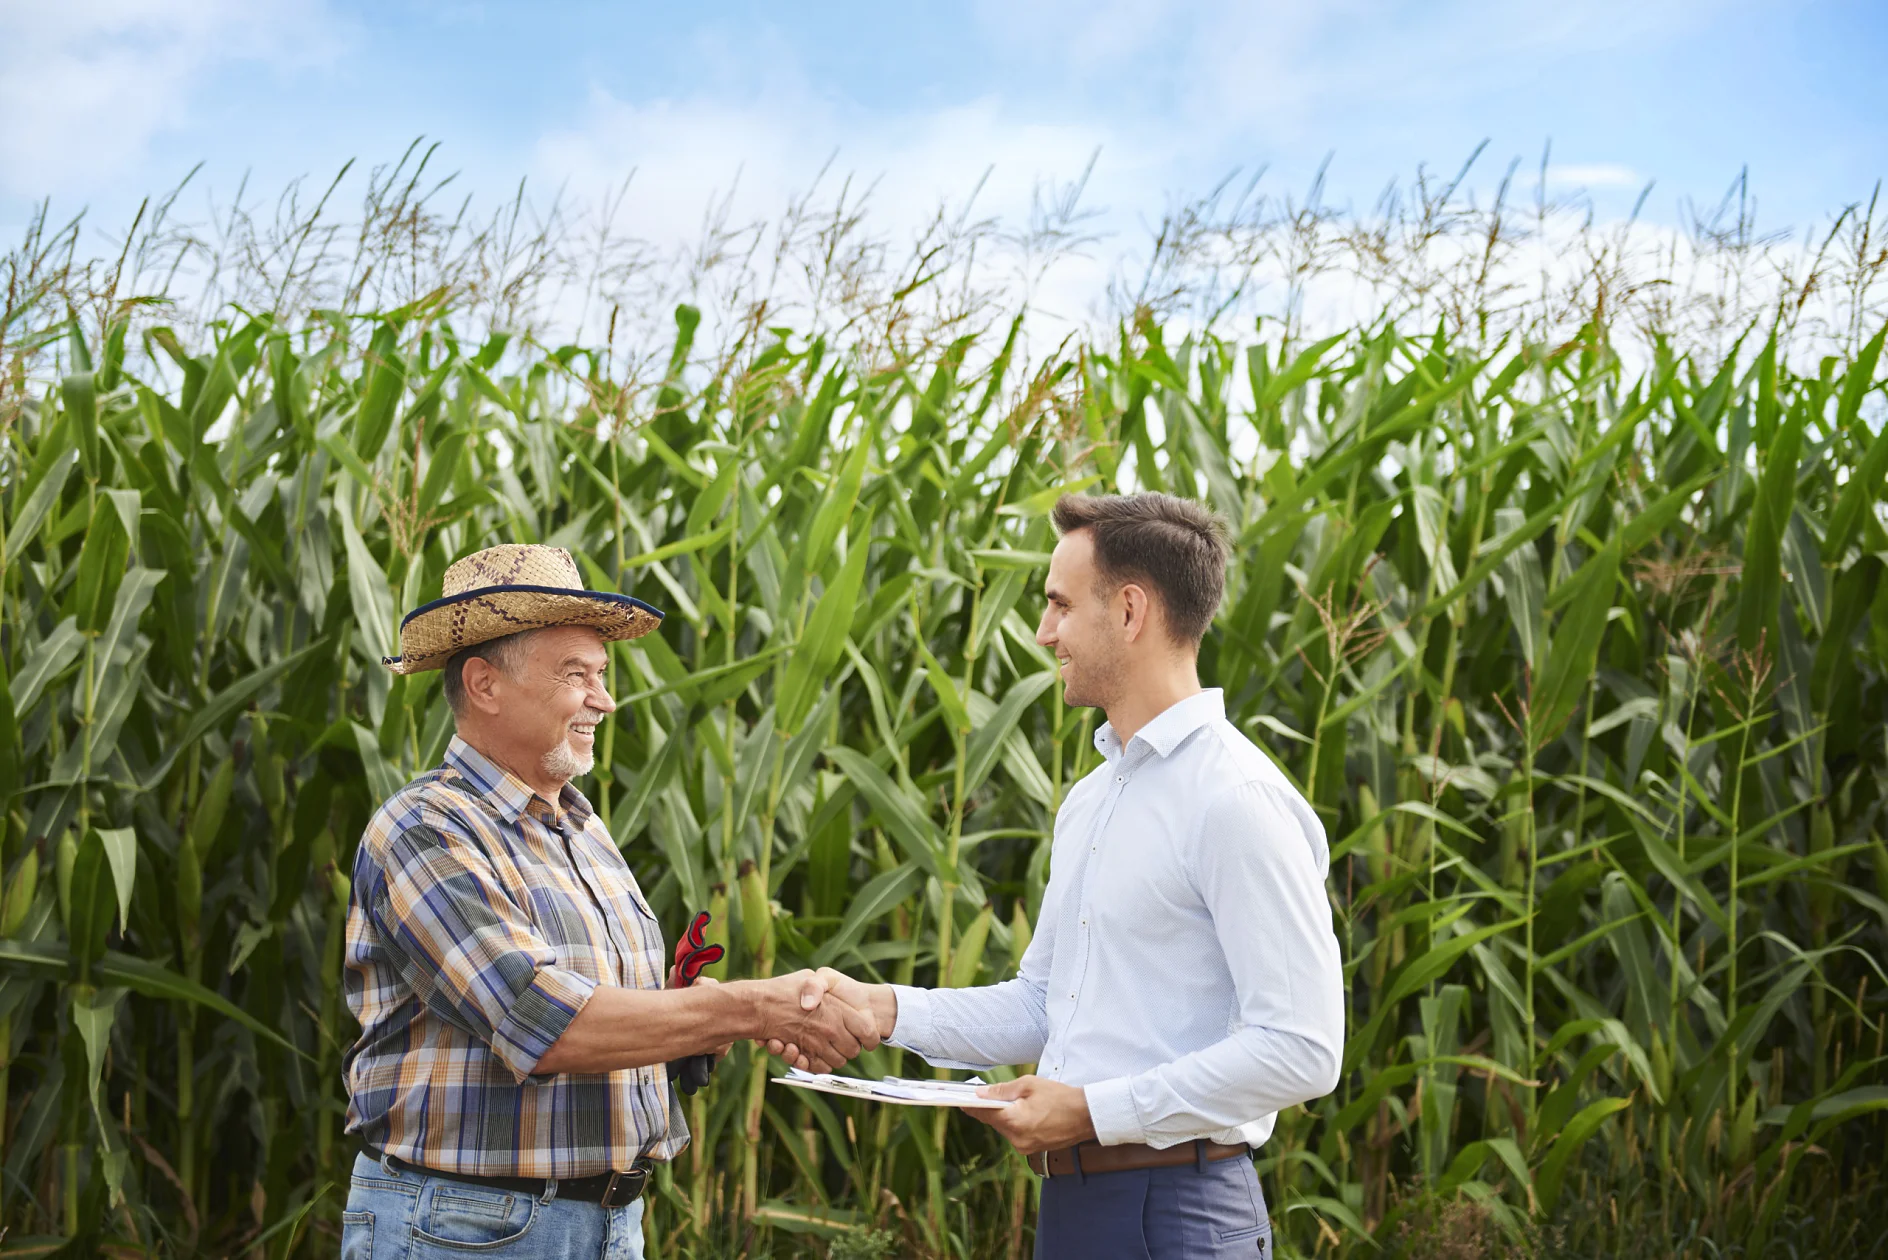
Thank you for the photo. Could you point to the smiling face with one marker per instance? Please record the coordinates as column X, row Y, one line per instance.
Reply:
column 1080, row 624
column 543, row 713
column 567, row 669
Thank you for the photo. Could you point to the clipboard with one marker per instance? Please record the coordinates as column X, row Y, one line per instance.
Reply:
column 893, row 1089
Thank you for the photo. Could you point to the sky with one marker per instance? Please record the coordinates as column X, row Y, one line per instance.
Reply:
column 105, row 101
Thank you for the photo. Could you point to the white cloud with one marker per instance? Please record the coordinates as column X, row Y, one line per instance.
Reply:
column 1226, row 74
column 1594, row 175
column 1282, row 66
column 686, row 152
column 1167, row 95
column 746, row 161
column 86, row 84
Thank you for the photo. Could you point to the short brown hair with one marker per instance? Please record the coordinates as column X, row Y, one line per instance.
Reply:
column 1175, row 547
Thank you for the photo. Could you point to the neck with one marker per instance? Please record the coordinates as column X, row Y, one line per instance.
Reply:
column 1158, row 689
column 519, row 764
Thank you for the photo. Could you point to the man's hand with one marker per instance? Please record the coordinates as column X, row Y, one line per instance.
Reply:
column 1046, row 1116
column 812, row 993
column 877, row 1001
column 814, row 1033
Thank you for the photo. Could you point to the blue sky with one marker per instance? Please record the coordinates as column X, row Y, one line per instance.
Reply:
column 106, row 100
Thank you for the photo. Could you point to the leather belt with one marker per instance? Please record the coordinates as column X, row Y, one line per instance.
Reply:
column 1092, row 1157
column 610, row 1189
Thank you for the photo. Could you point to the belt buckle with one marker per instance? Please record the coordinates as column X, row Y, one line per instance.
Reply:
column 1043, row 1169
column 621, row 1181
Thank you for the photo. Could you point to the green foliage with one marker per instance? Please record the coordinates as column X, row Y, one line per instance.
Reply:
column 1584, row 673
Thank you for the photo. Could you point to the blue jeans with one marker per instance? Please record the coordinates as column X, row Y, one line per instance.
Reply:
column 404, row 1216
column 1156, row 1214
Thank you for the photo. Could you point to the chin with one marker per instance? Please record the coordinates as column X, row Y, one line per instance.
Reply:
column 567, row 762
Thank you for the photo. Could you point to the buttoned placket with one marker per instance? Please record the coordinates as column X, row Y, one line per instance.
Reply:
column 1123, row 764
column 559, row 823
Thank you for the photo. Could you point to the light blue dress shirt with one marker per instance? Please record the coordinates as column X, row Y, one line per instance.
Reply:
column 1184, row 970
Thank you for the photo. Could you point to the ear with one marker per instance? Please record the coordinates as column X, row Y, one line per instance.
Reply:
column 482, row 681
column 1136, row 610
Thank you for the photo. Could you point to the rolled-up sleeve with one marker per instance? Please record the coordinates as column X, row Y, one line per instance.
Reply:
column 1259, row 862
column 470, row 952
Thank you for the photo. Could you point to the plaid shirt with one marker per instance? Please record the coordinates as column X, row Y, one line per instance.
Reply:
column 481, row 919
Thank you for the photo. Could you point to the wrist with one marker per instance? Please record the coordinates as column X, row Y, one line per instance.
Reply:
column 1086, row 1119
column 885, row 1009
column 747, row 1010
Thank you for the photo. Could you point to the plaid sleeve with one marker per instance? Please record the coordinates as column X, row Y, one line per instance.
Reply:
column 468, row 950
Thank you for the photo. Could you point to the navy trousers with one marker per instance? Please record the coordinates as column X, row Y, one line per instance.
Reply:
column 1182, row 1213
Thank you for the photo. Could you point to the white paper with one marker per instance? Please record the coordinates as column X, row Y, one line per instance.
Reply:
column 894, row 1089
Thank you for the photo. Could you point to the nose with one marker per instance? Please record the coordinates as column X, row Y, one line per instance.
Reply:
column 1044, row 634
column 600, row 697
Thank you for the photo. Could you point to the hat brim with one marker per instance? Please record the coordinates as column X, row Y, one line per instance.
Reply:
column 432, row 633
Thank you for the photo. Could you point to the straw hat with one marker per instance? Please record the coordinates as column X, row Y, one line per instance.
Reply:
column 506, row 590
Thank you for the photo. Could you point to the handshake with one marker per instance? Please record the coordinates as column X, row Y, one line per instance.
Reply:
column 817, row 1020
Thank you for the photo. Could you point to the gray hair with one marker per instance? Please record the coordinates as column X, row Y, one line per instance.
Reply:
column 505, row 654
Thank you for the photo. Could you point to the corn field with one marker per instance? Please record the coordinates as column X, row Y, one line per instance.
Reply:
column 1585, row 669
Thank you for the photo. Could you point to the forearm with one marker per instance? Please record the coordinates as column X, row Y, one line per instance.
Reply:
column 631, row 1028
column 1252, row 1073
column 991, row 1026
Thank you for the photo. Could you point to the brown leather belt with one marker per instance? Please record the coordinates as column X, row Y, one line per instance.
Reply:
column 1092, row 1157
column 611, row 1189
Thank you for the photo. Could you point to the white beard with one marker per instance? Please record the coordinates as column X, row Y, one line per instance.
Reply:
column 565, row 763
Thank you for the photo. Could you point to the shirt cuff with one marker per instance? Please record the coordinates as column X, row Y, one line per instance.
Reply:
column 538, row 1017
column 1111, row 1110
column 915, row 1028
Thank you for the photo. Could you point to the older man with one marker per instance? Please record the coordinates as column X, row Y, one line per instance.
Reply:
column 508, row 1086
column 1184, row 984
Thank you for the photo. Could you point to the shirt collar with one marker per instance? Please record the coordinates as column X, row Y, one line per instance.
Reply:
column 1171, row 727
column 506, row 791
